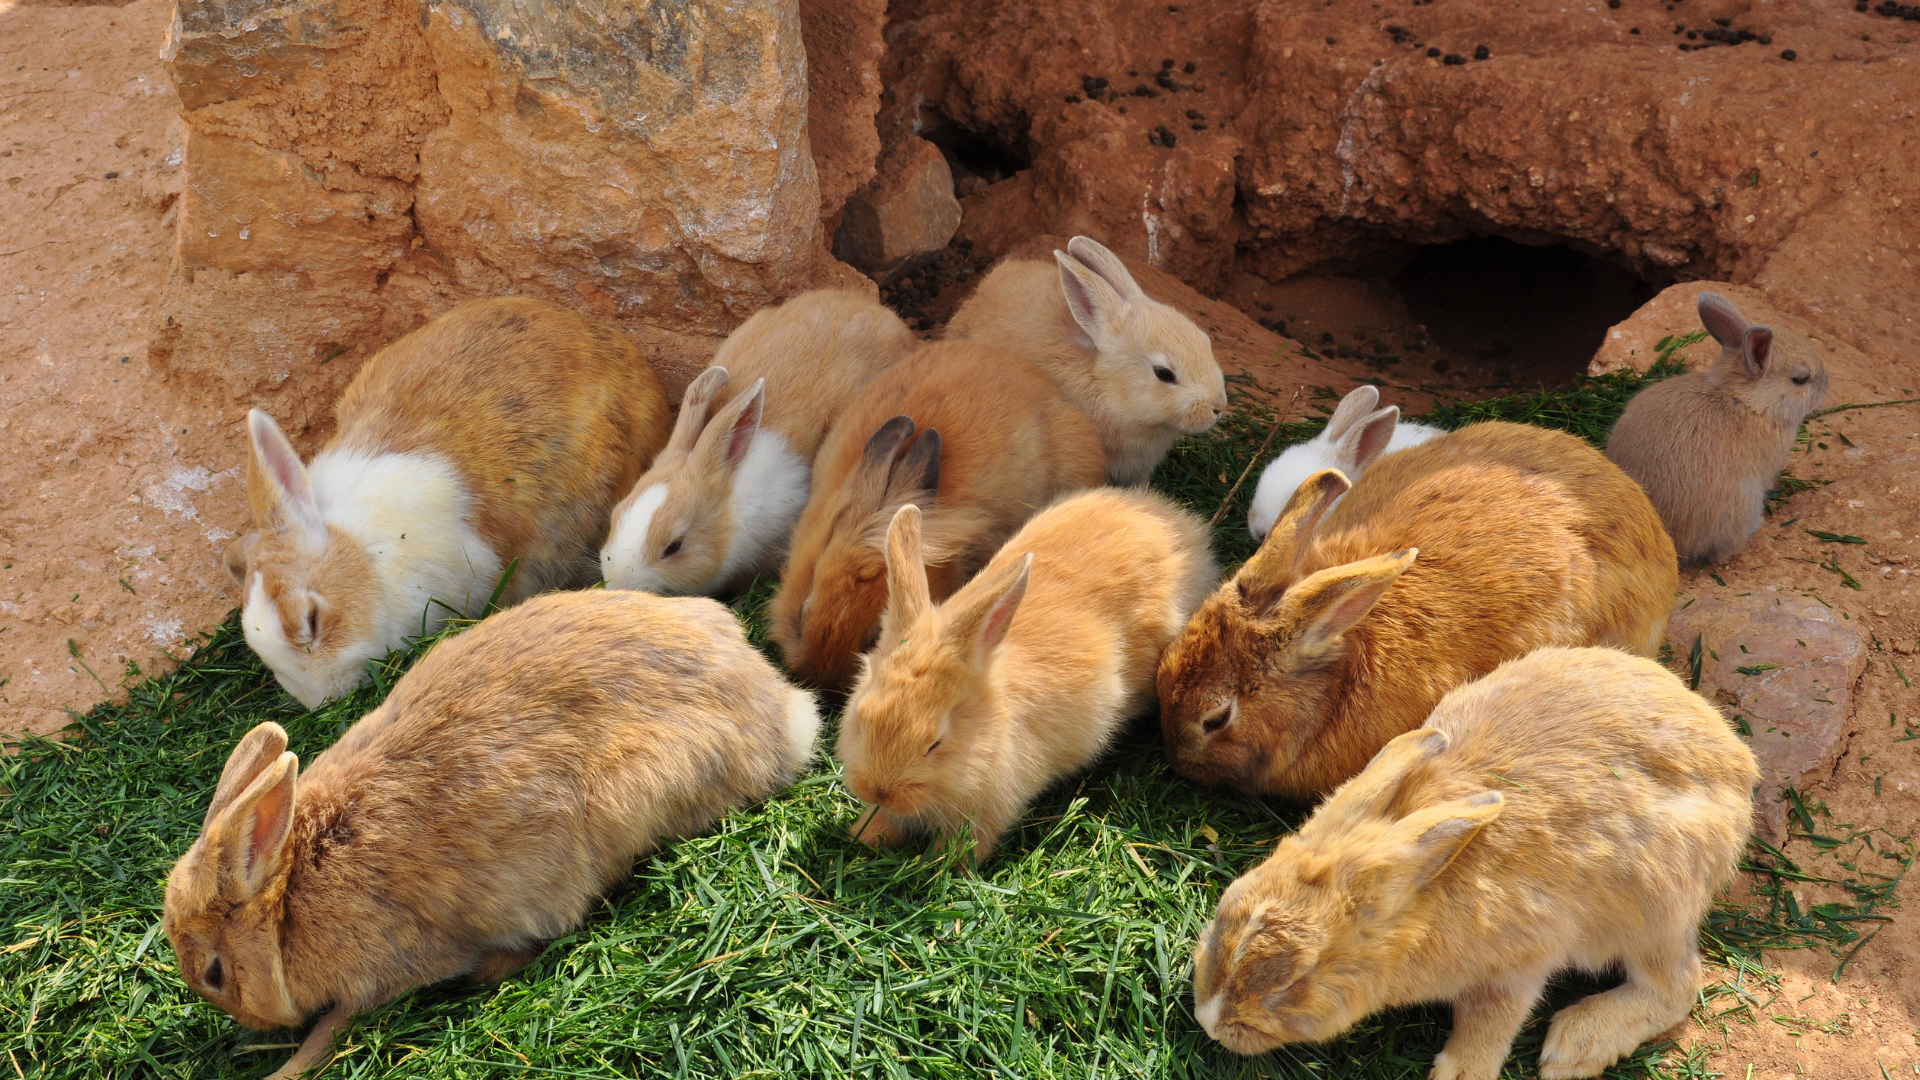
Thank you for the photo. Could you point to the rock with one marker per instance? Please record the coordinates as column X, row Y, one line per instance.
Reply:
column 844, row 47
column 905, row 214
column 1782, row 668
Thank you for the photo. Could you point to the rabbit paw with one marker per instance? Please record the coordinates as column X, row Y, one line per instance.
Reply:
column 1583, row 1040
column 1453, row 1067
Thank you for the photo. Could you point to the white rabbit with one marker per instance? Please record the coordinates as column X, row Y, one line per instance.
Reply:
column 1356, row 435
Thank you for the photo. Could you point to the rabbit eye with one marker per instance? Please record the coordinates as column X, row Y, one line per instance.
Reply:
column 935, row 746
column 313, row 624
column 1164, row 374
column 1802, row 380
column 216, row 976
column 1218, row 720
column 672, row 550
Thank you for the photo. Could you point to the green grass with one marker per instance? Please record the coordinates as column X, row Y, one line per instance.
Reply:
column 772, row 946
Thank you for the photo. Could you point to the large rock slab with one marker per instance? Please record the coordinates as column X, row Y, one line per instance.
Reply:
column 904, row 217
column 1783, row 669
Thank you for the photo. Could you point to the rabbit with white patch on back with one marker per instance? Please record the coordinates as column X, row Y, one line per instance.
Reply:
column 504, row 429
column 1143, row 372
column 511, row 776
column 967, row 710
column 1707, row 446
column 1356, row 435
column 721, row 500
column 1576, row 808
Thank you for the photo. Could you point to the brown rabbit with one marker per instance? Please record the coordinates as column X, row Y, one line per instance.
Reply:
column 1334, row 637
column 1707, row 446
column 967, row 710
column 978, row 438
column 512, row 775
column 1577, row 808
column 505, row 429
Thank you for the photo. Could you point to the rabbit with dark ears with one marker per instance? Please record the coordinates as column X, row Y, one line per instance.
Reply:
column 1576, row 808
column 1356, row 435
column 1707, row 446
column 1347, row 626
column 503, row 430
column 1142, row 370
column 512, row 775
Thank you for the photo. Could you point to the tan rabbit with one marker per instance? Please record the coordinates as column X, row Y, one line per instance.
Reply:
column 1143, row 371
column 721, row 499
column 510, row 777
column 505, row 429
column 1707, row 446
column 975, row 436
column 967, row 710
column 1577, row 808
column 1334, row 637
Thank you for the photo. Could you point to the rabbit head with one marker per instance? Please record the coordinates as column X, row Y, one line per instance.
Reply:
column 1779, row 375
column 1295, row 951
column 310, row 587
column 834, row 590
column 1355, row 436
column 1154, row 366
column 672, row 533
column 1250, row 679
column 919, row 714
column 223, row 907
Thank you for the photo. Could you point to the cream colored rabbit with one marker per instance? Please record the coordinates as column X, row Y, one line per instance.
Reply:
column 967, row 710
column 505, row 429
column 1577, row 808
column 721, row 500
column 1143, row 371
column 512, row 775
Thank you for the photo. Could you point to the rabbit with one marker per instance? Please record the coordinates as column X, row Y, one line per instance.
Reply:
column 967, row 710
column 1576, row 808
column 1707, row 446
column 1346, row 627
column 719, row 502
column 503, row 430
column 1143, row 371
column 978, row 438
column 1355, row 436
column 512, row 775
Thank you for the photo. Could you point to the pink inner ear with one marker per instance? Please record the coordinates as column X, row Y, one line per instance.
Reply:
column 1080, row 297
column 1759, row 347
column 271, row 817
column 740, row 437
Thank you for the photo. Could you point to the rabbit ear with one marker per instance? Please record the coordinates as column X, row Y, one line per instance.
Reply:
column 251, row 837
column 869, row 479
column 916, row 474
column 236, row 555
column 1266, row 576
column 1094, row 304
column 1756, row 349
column 257, row 750
column 289, row 492
column 1420, row 846
column 1365, row 441
column 981, row 624
column 723, row 445
column 1095, row 257
column 694, row 406
column 1368, row 796
column 1722, row 319
column 907, row 594
column 1329, row 603
column 1277, row 949
column 1359, row 402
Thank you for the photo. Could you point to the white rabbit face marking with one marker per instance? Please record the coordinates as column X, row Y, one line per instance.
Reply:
column 314, row 647
column 626, row 561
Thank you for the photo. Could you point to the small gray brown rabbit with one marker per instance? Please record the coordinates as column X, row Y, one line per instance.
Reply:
column 1707, row 446
column 512, row 775
column 1577, row 808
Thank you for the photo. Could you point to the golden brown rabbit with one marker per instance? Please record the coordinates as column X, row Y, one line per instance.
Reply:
column 978, row 438
column 966, row 710
column 1453, row 556
column 1577, row 808
column 505, row 429
column 512, row 775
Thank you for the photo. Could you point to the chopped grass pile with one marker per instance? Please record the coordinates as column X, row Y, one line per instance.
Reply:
column 773, row 946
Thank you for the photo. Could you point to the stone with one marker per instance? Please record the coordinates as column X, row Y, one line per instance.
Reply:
column 904, row 216
column 1783, row 669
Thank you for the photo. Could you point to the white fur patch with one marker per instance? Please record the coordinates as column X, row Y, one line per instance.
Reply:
column 623, row 562
column 1208, row 1013
column 769, row 492
column 301, row 674
column 803, row 727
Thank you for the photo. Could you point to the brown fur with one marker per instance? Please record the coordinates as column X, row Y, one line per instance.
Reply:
column 1009, row 444
column 1575, row 808
column 515, row 772
column 1707, row 446
column 967, row 710
column 1323, row 647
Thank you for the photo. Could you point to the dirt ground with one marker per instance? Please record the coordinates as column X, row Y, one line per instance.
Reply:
column 119, row 489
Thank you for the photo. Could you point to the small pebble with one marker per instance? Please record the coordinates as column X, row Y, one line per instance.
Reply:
column 1766, row 39
column 1789, row 54
column 1452, row 59
column 1189, row 67
column 1482, row 53
column 1166, row 63
column 1332, row 41
column 113, row 176
column 1635, row 30
column 1433, row 52
column 1613, row 3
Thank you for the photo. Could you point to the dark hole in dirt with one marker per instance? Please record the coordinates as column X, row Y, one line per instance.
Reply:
column 1537, row 312
column 977, row 159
